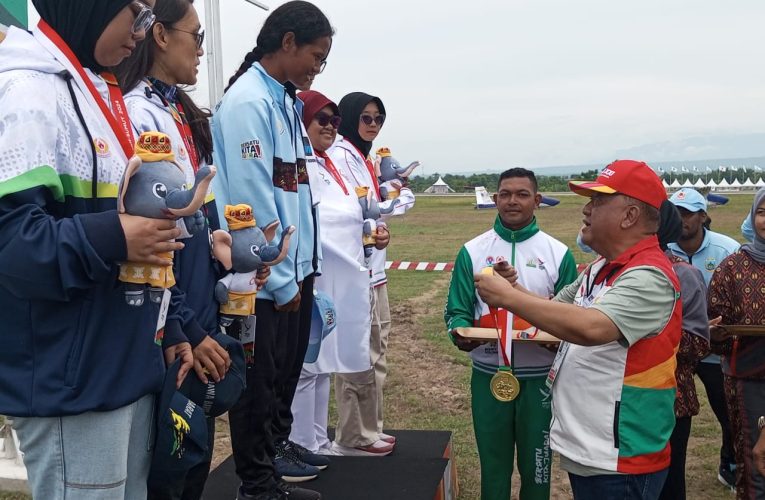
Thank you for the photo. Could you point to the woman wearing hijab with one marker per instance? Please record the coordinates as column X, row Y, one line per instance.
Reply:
column 359, row 395
column 737, row 294
column 344, row 279
column 694, row 346
column 80, row 366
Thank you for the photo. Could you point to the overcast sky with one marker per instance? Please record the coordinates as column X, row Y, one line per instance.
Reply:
column 489, row 84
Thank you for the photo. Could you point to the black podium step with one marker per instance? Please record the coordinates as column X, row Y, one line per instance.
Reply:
column 418, row 469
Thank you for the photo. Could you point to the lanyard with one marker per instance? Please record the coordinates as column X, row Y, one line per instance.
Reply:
column 371, row 169
column 501, row 337
column 185, row 130
column 118, row 105
column 122, row 132
column 330, row 167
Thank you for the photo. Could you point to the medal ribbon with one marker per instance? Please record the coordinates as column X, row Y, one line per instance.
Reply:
column 501, row 337
column 123, row 133
column 118, row 105
column 330, row 167
column 185, row 130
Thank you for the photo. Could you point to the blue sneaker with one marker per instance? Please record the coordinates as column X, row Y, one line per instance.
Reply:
column 305, row 455
column 290, row 468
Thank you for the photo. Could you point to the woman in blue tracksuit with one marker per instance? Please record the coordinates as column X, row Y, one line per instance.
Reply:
column 260, row 154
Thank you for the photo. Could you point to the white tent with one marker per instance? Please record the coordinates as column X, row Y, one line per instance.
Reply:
column 712, row 184
column 439, row 187
column 699, row 183
column 664, row 183
column 723, row 184
column 748, row 183
column 675, row 184
column 735, row 183
column 759, row 183
column 687, row 184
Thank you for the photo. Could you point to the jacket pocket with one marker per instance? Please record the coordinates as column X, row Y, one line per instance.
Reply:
column 616, row 424
column 78, row 341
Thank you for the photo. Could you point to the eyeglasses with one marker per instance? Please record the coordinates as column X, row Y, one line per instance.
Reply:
column 323, row 119
column 369, row 119
column 143, row 19
column 199, row 36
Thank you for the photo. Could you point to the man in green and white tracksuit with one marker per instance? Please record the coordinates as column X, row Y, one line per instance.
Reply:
column 543, row 265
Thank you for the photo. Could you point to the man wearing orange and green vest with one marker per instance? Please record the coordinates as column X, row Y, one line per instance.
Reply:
column 613, row 379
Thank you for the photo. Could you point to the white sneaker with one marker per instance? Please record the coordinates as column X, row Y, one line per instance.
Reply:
column 329, row 450
column 376, row 449
column 387, row 438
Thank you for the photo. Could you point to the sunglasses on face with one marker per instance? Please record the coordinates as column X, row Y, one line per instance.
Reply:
column 143, row 19
column 323, row 119
column 369, row 119
column 199, row 36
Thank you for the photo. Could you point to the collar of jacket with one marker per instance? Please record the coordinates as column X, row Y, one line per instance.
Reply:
column 516, row 236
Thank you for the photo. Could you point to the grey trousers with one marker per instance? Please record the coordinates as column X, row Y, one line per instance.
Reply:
column 359, row 395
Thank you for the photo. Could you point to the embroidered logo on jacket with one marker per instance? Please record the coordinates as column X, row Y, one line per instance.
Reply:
column 102, row 147
column 710, row 263
column 251, row 150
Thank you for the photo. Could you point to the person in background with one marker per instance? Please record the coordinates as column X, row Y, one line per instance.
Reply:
column 736, row 295
column 260, row 154
column 64, row 148
column 705, row 249
column 153, row 79
column 360, row 395
column 694, row 345
column 543, row 265
column 620, row 323
column 345, row 280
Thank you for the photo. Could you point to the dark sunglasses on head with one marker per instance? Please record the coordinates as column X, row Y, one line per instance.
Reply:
column 323, row 119
column 199, row 36
column 369, row 119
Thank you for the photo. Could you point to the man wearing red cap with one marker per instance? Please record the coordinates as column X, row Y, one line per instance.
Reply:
column 613, row 379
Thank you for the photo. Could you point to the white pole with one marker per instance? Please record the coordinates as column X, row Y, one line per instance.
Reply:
column 215, row 49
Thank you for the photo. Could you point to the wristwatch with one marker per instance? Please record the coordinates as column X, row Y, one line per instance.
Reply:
column 761, row 422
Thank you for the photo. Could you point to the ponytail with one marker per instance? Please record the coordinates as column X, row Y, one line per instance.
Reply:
column 252, row 56
column 301, row 18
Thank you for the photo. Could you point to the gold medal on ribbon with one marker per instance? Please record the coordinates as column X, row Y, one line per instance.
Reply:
column 504, row 386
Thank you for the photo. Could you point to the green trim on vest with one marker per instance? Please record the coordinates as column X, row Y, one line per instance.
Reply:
column 516, row 236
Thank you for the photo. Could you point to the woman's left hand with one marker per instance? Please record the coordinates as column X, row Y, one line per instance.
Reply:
column 382, row 237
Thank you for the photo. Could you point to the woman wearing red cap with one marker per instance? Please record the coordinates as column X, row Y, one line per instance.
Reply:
column 344, row 279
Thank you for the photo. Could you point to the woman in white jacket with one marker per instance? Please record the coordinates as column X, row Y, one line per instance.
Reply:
column 345, row 279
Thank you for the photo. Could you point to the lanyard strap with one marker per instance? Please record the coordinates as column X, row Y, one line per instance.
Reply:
column 124, row 136
column 185, row 130
column 330, row 167
column 501, row 335
column 371, row 170
column 118, row 105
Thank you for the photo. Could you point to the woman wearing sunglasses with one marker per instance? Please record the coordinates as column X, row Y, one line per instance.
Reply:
column 80, row 366
column 153, row 79
column 344, row 280
column 359, row 395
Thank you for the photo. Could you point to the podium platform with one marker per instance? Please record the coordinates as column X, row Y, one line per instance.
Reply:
column 420, row 468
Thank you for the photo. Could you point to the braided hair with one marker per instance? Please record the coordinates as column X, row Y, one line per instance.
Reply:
column 304, row 19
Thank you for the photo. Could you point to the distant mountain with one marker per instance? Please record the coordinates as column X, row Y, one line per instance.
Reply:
column 699, row 148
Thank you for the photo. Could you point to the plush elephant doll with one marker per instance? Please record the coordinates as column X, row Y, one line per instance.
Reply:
column 371, row 211
column 154, row 186
column 391, row 174
column 243, row 250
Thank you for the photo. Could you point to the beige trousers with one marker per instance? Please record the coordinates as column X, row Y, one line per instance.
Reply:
column 360, row 395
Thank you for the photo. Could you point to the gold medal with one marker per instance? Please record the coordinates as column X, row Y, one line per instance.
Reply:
column 504, row 386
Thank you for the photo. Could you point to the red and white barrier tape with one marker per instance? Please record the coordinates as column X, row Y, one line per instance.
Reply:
column 404, row 265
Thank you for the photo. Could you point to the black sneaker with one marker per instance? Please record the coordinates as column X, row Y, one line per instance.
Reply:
column 293, row 492
column 275, row 494
column 726, row 474
column 305, row 455
column 290, row 468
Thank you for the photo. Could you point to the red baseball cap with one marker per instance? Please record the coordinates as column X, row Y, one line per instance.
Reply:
column 629, row 177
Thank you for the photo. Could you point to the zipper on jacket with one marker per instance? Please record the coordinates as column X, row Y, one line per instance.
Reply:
column 94, row 175
column 616, row 424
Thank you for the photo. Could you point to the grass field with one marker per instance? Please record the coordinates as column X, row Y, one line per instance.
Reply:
column 428, row 385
